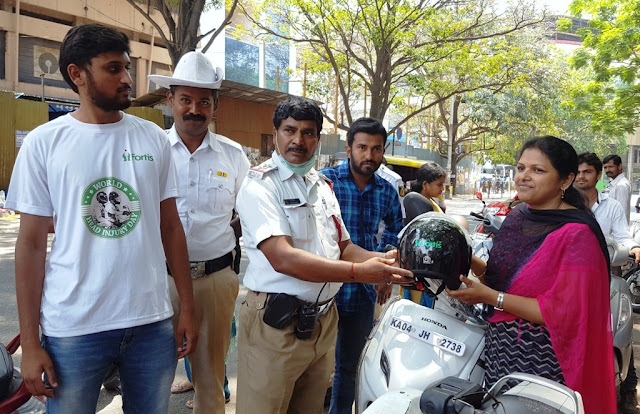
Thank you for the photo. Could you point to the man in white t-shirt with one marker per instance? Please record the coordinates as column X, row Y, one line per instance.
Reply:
column 210, row 170
column 102, row 298
column 619, row 187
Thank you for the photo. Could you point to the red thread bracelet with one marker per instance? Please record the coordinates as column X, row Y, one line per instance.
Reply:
column 353, row 271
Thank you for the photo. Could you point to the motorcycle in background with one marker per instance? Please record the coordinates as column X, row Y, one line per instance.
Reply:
column 490, row 219
column 632, row 274
column 14, row 396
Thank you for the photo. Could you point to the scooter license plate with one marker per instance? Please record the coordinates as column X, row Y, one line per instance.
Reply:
column 433, row 338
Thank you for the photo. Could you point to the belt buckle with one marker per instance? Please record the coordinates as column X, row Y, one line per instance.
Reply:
column 197, row 270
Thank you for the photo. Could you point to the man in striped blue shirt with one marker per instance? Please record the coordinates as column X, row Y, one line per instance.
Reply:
column 365, row 199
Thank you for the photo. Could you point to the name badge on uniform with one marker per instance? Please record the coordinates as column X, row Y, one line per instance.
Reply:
column 291, row 201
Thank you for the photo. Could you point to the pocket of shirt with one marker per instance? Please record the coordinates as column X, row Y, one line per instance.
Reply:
column 300, row 222
column 220, row 194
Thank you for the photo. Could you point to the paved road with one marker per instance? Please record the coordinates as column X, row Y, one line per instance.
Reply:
column 109, row 402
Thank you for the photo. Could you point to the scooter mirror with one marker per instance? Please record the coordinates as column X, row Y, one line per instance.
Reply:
column 478, row 195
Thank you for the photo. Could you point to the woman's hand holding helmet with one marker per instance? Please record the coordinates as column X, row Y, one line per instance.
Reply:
column 474, row 292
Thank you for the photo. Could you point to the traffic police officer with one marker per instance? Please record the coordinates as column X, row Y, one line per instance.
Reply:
column 299, row 253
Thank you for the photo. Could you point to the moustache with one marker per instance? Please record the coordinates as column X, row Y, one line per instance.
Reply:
column 297, row 149
column 124, row 88
column 189, row 117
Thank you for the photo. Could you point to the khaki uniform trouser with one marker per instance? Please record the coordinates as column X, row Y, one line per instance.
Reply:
column 277, row 372
column 214, row 302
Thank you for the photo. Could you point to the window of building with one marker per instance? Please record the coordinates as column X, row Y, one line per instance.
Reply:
column 241, row 62
column 277, row 65
column 266, row 145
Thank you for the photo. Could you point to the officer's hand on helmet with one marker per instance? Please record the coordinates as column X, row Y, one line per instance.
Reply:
column 392, row 254
column 382, row 270
column 472, row 292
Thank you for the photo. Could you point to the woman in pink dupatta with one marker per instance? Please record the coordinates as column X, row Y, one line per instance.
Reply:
column 547, row 278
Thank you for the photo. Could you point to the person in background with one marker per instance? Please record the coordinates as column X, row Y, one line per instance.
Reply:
column 392, row 177
column 619, row 187
column 365, row 199
column 547, row 280
column 299, row 253
column 610, row 215
column 102, row 297
column 430, row 179
column 210, row 168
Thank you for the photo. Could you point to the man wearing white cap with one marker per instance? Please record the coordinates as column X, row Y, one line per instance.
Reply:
column 210, row 169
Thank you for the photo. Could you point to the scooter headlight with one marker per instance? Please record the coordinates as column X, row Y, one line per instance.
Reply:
column 624, row 313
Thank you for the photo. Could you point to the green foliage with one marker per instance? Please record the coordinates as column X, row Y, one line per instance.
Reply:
column 611, row 52
column 486, row 76
column 177, row 22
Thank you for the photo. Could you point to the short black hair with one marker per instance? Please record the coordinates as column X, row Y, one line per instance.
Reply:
column 300, row 109
column 616, row 159
column 591, row 159
column 429, row 172
column 370, row 126
column 84, row 42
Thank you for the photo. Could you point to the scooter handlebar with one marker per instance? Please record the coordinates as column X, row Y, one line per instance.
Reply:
column 480, row 216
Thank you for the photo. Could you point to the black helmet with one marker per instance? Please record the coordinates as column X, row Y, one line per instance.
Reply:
column 434, row 246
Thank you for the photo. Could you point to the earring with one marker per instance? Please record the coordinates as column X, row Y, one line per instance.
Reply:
column 562, row 193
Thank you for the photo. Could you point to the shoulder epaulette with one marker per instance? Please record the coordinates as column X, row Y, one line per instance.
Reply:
column 259, row 171
column 324, row 177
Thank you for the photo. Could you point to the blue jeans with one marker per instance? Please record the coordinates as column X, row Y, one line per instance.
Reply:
column 353, row 328
column 145, row 356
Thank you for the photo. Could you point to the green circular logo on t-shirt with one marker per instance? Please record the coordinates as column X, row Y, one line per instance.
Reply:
column 110, row 207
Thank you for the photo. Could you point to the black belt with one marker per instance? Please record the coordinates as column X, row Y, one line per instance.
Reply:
column 201, row 269
column 323, row 306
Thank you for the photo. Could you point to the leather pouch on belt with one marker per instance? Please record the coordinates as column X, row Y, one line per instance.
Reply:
column 280, row 309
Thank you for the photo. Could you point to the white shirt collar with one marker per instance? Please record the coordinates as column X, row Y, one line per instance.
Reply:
column 209, row 140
